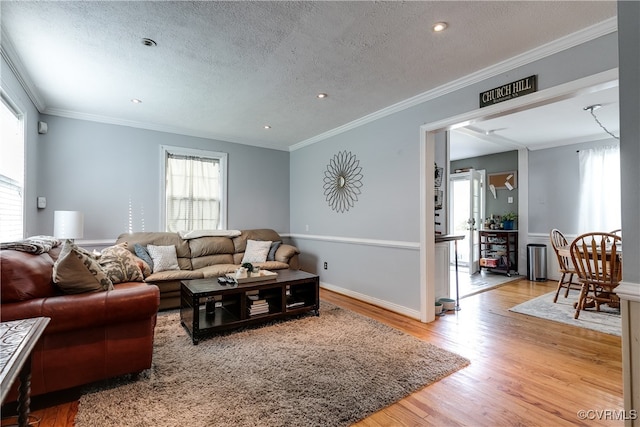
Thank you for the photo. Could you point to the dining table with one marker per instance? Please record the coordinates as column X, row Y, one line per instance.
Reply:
column 566, row 250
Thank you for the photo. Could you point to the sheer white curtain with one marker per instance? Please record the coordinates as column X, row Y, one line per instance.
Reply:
column 599, row 189
column 193, row 193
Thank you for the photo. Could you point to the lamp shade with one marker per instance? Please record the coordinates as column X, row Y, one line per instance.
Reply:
column 68, row 224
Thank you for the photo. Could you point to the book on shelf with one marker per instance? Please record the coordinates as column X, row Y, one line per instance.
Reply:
column 257, row 307
column 257, row 301
column 295, row 304
column 258, row 310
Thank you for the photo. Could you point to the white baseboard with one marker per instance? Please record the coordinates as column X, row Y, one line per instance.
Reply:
column 414, row 314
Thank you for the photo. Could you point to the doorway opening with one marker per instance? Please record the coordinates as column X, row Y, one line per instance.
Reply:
column 427, row 157
column 466, row 210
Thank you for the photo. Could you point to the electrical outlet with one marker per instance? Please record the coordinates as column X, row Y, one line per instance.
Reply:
column 326, row 265
column 509, row 199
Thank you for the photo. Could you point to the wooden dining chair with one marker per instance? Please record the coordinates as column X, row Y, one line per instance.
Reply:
column 597, row 259
column 565, row 266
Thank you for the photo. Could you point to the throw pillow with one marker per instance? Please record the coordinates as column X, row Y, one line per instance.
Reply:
column 164, row 258
column 120, row 265
column 74, row 272
column 144, row 267
column 272, row 251
column 143, row 254
column 256, row 251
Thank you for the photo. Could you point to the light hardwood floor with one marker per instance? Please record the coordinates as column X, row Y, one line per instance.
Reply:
column 524, row 371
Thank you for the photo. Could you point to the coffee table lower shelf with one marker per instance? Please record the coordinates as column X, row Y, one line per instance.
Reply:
column 233, row 303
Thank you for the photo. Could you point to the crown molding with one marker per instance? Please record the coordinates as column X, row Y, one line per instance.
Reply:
column 153, row 127
column 587, row 34
column 10, row 55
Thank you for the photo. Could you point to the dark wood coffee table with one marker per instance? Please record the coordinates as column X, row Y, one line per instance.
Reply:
column 207, row 307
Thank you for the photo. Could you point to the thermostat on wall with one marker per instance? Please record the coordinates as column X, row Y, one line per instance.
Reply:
column 42, row 202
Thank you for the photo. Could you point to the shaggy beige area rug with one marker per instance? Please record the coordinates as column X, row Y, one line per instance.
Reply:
column 330, row 370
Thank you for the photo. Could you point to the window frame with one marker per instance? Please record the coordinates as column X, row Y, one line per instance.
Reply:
column 221, row 157
column 20, row 115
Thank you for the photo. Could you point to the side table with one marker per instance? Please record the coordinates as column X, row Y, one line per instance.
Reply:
column 17, row 339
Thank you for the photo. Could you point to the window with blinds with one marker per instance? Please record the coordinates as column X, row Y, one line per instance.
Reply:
column 11, row 174
column 195, row 190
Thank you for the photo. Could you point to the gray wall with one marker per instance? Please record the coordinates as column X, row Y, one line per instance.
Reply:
column 554, row 185
column 388, row 209
column 494, row 163
column 104, row 170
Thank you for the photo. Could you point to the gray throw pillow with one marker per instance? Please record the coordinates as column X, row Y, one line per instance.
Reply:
column 272, row 251
column 143, row 254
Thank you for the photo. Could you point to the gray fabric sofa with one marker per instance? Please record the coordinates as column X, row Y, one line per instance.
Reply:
column 206, row 257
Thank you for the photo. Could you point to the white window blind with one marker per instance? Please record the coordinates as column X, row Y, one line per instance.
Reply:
column 194, row 191
column 11, row 174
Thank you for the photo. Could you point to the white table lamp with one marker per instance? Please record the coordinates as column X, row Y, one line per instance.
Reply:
column 68, row 224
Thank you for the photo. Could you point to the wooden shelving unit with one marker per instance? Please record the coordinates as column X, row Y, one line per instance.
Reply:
column 499, row 251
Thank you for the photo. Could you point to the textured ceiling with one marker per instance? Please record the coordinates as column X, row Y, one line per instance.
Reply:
column 225, row 69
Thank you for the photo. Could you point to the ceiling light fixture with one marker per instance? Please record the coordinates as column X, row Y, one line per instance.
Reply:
column 591, row 109
column 322, row 95
column 136, row 101
column 149, row 42
column 440, row 26
column 267, row 126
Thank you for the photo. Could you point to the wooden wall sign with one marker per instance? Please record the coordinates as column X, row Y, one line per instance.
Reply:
column 509, row 91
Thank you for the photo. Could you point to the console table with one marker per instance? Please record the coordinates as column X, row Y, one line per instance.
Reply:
column 18, row 338
column 291, row 292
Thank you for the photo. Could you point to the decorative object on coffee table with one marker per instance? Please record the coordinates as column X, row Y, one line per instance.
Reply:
column 248, row 266
column 246, row 277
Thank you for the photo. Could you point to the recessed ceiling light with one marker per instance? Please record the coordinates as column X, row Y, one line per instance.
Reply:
column 267, row 126
column 322, row 95
column 440, row 26
column 149, row 42
column 136, row 101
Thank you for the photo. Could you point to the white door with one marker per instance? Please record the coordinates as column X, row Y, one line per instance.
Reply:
column 466, row 210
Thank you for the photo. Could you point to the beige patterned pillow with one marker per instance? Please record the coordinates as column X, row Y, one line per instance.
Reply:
column 120, row 265
column 164, row 258
column 74, row 272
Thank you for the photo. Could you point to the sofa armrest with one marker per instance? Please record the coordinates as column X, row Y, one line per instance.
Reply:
column 127, row 302
column 286, row 252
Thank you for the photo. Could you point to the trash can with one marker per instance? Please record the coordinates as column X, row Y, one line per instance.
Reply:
column 537, row 262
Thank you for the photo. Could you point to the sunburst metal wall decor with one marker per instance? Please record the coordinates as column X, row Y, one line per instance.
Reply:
column 342, row 181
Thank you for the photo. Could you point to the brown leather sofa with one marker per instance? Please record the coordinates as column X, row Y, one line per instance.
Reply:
column 91, row 336
column 207, row 257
